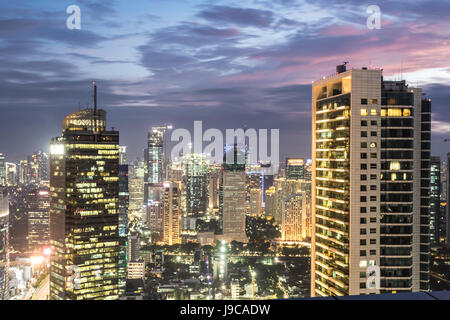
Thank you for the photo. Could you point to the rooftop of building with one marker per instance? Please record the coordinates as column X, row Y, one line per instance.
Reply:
column 434, row 295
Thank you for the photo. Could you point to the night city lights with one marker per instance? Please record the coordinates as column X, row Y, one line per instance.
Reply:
column 224, row 159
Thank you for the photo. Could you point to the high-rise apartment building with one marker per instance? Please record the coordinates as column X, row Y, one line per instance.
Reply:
column 172, row 213
column 370, row 188
column 296, row 216
column 4, row 245
column 84, row 210
column 283, row 188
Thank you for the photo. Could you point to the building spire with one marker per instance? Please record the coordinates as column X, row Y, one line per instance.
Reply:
column 95, row 105
column 95, row 97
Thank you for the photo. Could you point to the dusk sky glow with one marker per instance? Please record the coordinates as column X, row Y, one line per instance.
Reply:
column 228, row 63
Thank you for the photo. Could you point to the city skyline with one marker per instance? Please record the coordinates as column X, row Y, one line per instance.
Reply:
column 224, row 150
column 228, row 64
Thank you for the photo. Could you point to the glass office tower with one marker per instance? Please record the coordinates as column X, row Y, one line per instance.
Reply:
column 84, row 209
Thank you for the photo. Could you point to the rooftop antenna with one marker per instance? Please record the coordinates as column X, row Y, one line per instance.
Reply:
column 95, row 97
column 95, row 105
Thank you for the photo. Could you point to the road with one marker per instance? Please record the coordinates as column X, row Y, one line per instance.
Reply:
column 439, row 277
column 42, row 290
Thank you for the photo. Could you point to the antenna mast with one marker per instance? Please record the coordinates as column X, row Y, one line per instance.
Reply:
column 95, row 105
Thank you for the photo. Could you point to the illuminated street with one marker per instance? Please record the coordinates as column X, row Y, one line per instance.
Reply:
column 42, row 291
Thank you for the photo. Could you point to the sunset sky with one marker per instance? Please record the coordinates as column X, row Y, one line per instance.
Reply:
column 228, row 63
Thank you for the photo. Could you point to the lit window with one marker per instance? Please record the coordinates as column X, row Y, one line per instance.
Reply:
column 394, row 112
column 373, row 112
column 363, row 264
column 364, row 112
column 406, row 112
column 394, row 165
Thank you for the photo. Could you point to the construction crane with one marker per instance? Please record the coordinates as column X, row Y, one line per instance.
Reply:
column 252, row 274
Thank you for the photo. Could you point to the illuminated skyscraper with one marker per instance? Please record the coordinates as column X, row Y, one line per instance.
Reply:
column 23, row 172
column 122, row 155
column 4, row 245
column 295, row 168
column 282, row 189
column 214, row 186
column 136, row 188
column 38, row 168
column 155, row 155
column 38, row 206
column 233, row 196
column 29, row 217
column 296, row 215
column 84, row 210
column 11, row 174
column 124, row 199
column 255, row 202
column 370, row 188
column 270, row 202
column 20, row 197
column 254, row 189
column 195, row 184
column 154, row 158
column 2, row 169
column 172, row 213
column 435, row 200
